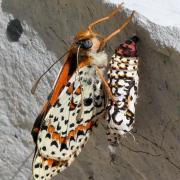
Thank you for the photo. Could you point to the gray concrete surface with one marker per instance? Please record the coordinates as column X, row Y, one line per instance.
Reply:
column 155, row 153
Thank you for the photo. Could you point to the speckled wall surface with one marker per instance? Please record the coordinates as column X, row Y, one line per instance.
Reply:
column 49, row 27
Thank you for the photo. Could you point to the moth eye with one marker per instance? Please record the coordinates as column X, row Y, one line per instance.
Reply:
column 85, row 44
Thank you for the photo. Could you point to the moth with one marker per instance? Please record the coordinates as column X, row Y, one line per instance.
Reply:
column 123, row 80
column 74, row 105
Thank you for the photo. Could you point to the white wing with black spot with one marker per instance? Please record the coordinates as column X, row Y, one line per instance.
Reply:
column 67, row 126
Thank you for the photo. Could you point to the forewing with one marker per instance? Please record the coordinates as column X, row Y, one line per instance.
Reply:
column 67, row 126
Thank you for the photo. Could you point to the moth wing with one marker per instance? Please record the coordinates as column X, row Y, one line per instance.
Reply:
column 67, row 126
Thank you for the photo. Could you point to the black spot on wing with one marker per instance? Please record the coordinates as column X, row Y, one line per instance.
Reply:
column 58, row 127
column 61, row 110
column 44, row 148
column 80, row 72
column 72, row 138
column 89, row 81
column 87, row 112
column 88, row 120
column 79, row 121
column 78, row 111
column 44, row 128
column 63, row 146
column 68, row 84
column 55, row 119
column 54, row 143
column 80, row 133
column 37, row 165
column 57, row 104
column 88, row 101
column 80, row 140
column 94, row 87
column 51, row 116
column 64, row 133
column 71, row 125
column 66, row 122
column 97, row 81
column 48, row 135
column 36, row 175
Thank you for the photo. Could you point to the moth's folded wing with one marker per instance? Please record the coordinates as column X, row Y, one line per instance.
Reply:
column 67, row 125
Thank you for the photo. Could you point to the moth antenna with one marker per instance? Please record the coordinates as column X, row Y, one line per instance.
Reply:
column 33, row 89
column 78, row 63
column 112, row 14
column 132, row 136
column 19, row 168
column 120, row 29
column 77, row 57
column 78, row 68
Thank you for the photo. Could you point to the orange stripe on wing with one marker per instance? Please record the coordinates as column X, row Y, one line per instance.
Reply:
column 51, row 129
column 72, row 133
column 51, row 162
column 61, row 82
column 78, row 91
column 57, row 137
column 70, row 89
column 64, row 77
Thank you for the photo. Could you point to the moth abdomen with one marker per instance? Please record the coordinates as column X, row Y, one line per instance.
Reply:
column 123, row 81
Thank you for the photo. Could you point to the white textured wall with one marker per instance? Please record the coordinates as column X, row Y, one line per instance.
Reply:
column 21, row 63
column 163, row 12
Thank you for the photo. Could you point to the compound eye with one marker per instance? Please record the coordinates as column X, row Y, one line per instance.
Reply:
column 85, row 44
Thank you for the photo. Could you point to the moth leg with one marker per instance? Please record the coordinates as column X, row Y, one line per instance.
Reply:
column 108, row 90
column 121, row 28
column 113, row 140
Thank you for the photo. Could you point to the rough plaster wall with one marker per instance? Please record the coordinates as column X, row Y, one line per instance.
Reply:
column 49, row 29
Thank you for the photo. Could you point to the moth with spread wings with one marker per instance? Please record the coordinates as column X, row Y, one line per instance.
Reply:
column 64, row 125
column 123, row 81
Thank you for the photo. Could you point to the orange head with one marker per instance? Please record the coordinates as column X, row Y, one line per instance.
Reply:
column 88, row 41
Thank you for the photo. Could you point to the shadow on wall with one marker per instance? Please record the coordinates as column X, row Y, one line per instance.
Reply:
column 157, row 137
